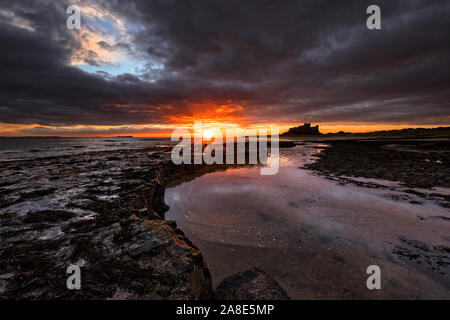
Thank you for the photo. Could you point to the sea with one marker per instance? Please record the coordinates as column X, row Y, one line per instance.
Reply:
column 21, row 148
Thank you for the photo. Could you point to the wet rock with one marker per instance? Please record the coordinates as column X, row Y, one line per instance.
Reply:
column 434, row 259
column 145, row 259
column 252, row 284
column 414, row 164
column 103, row 213
column 48, row 216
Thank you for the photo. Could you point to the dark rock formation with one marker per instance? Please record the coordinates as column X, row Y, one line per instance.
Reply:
column 429, row 258
column 102, row 213
column 414, row 163
column 252, row 284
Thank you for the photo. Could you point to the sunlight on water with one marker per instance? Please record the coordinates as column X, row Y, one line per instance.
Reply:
column 293, row 209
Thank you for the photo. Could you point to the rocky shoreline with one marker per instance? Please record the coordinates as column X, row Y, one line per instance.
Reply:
column 104, row 212
column 417, row 165
column 414, row 171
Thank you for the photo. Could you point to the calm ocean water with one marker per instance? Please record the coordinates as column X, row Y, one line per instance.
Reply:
column 30, row 147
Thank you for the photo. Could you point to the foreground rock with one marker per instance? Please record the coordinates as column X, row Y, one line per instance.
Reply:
column 135, row 258
column 252, row 284
column 103, row 213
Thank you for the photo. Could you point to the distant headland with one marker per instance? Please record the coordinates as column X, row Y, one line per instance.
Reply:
column 308, row 130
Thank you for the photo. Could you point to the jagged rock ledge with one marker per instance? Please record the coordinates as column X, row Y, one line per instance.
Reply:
column 104, row 213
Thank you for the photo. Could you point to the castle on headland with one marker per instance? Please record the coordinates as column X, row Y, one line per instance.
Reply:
column 305, row 129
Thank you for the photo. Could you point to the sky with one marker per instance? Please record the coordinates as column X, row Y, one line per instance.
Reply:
column 145, row 68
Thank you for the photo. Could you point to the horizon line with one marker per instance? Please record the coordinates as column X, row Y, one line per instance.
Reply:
column 168, row 136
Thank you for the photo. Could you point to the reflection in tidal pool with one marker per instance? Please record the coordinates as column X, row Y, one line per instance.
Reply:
column 315, row 237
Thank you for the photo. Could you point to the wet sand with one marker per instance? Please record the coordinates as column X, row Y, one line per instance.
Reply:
column 314, row 235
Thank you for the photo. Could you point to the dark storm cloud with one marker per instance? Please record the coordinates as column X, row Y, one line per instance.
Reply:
column 282, row 61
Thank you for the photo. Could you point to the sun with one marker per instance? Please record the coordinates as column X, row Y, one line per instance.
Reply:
column 208, row 134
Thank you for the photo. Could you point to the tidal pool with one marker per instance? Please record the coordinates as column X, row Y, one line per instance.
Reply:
column 314, row 236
